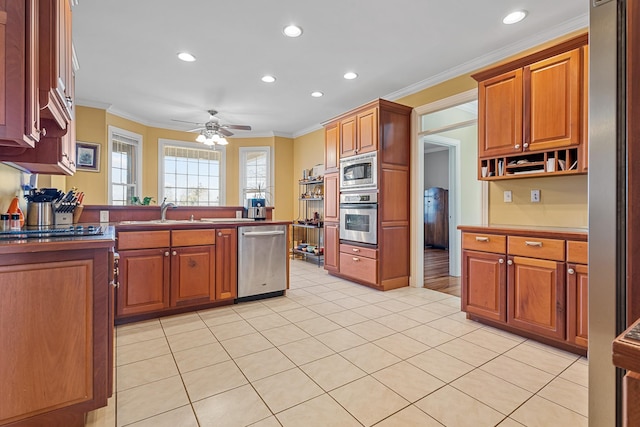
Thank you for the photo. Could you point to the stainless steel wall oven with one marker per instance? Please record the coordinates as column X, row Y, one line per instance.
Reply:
column 359, row 217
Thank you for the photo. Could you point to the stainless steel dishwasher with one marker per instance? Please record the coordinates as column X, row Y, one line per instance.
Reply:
column 262, row 261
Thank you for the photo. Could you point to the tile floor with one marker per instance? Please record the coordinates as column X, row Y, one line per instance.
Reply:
column 333, row 353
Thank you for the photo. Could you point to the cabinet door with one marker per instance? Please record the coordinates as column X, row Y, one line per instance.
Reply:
column 193, row 275
column 553, row 102
column 226, row 263
column 484, row 285
column 331, row 246
column 144, row 281
column 367, row 131
column 331, row 194
column 500, row 115
column 536, row 296
column 331, row 147
column 348, row 142
column 578, row 304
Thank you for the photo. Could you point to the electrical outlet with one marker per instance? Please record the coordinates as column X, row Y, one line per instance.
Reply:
column 535, row 196
column 507, row 196
column 238, row 214
column 104, row 216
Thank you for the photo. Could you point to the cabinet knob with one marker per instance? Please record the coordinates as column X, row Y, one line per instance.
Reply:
column 42, row 132
column 525, row 145
column 65, row 155
column 571, row 271
column 166, row 253
column 69, row 100
column 220, row 233
column 356, row 259
column 501, row 261
column 174, row 253
column 510, row 262
column 517, row 146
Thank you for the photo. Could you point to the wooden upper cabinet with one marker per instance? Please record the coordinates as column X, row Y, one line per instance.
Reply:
column 331, row 148
column 500, row 115
column 367, row 131
column 553, row 102
column 348, row 142
column 19, row 111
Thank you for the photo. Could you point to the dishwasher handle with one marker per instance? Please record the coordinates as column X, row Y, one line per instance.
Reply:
column 263, row 233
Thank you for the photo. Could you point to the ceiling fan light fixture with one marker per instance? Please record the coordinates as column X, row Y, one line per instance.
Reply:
column 350, row 75
column 317, row 94
column 186, row 57
column 514, row 17
column 222, row 141
column 201, row 138
column 292, row 31
column 268, row 79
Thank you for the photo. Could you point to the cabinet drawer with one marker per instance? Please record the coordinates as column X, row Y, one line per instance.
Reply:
column 578, row 252
column 143, row 239
column 359, row 267
column 536, row 248
column 359, row 251
column 495, row 243
column 193, row 237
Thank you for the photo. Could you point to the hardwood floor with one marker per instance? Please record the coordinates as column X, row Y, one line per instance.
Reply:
column 436, row 272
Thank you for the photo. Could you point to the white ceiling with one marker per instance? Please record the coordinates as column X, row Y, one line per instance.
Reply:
column 127, row 54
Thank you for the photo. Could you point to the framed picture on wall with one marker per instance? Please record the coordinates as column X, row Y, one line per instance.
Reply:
column 87, row 156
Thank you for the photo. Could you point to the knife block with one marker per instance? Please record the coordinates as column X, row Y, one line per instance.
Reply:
column 63, row 218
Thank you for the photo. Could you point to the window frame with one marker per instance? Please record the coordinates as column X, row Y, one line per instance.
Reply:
column 138, row 151
column 162, row 142
column 242, row 171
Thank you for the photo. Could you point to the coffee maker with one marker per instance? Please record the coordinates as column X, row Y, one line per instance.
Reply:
column 256, row 208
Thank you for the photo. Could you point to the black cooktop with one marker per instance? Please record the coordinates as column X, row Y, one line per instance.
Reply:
column 47, row 233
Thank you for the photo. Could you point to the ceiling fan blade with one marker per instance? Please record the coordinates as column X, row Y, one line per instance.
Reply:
column 239, row 127
column 196, row 129
column 225, row 132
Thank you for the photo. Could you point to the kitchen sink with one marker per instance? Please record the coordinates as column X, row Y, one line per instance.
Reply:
column 160, row 222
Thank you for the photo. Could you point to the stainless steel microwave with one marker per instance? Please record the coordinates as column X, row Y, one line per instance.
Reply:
column 359, row 172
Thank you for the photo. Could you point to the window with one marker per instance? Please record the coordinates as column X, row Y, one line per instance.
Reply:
column 191, row 174
column 255, row 173
column 125, row 156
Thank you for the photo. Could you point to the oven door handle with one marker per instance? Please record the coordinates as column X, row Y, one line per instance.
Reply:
column 358, row 206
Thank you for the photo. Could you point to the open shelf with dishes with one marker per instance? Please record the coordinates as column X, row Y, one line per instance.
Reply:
column 524, row 165
column 307, row 230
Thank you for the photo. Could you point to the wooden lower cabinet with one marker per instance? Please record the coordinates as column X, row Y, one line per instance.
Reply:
column 359, row 263
column 578, row 304
column 536, row 296
column 332, row 246
column 484, row 285
column 193, row 275
column 143, row 281
column 226, row 286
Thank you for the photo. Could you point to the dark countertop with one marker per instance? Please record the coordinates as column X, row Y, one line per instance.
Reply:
column 186, row 225
column 530, row 230
column 59, row 243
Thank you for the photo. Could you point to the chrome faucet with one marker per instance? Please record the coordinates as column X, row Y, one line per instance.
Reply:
column 163, row 209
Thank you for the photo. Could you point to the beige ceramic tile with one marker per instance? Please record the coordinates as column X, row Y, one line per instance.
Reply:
column 428, row 335
column 286, row 389
column 317, row 325
column 538, row 358
column 263, row 364
column 346, row 318
column 408, row 381
column 140, row 351
column 143, row 333
column 374, row 298
column 326, row 307
column 256, row 309
column 439, row 308
column 280, row 304
column 394, row 306
column 305, row 351
column 332, row 372
column 508, row 422
column 271, row 421
column 136, row 325
column 467, row 352
column 351, row 302
column 180, row 417
column 269, row 321
column 368, row 400
column 412, row 300
column 284, row 334
column 371, row 330
column 397, row 322
column 199, row 357
column 150, row 399
column 340, row 339
column 492, row 391
column 321, row 411
column 371, row 311
column 401, row 345
column 577, row 373
column 332, row 295
column 410, row 416
column 145, row 371
column 238, row 407
column 369, row 357
column 568, row 394
column 232, row 330
column 299, row 314
column 518, row 373
column 212, row 380
column 490, row 341
column 103, row 417
column 539, row 412
column 455, row 409
column 221, row 318
column 452, row 327
column 246, row 344
column 440, row 365
column 182, row 323
column 191, row 339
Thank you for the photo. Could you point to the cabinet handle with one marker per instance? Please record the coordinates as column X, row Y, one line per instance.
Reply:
column 355, row 250
column 174, row 253
column 525, row 145
column 501, row 261
column 166, row 253
column 69, row 101
column 571, row 271
column 530, row 243
column 356, row 259
column 510, row 262
column 65, row 155
column 220, row 233
column 114, row 284
column 517, row 146
column 42, row 132
column 482, row 239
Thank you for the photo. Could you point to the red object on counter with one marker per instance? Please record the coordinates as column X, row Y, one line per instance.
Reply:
column 14, row 208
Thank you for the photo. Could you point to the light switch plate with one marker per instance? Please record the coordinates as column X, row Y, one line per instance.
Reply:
column 104, row 216
column 535, row 196
column 507, row 196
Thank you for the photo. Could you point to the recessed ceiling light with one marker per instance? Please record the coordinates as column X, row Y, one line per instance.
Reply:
column 186, row 57
column 317, row 94
column 514, row 17
column 268, row 79
column 350, row 75
column 292, row 31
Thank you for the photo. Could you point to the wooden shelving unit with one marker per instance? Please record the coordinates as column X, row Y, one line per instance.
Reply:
column 525, row 165
column 307, row 228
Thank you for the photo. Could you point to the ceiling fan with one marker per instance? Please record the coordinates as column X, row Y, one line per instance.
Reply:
column 213, row 132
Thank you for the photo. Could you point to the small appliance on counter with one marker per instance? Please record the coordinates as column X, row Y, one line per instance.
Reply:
column 256, row 208
column 48, row 207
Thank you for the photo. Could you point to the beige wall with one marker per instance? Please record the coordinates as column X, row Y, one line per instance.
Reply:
column 308, row 151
